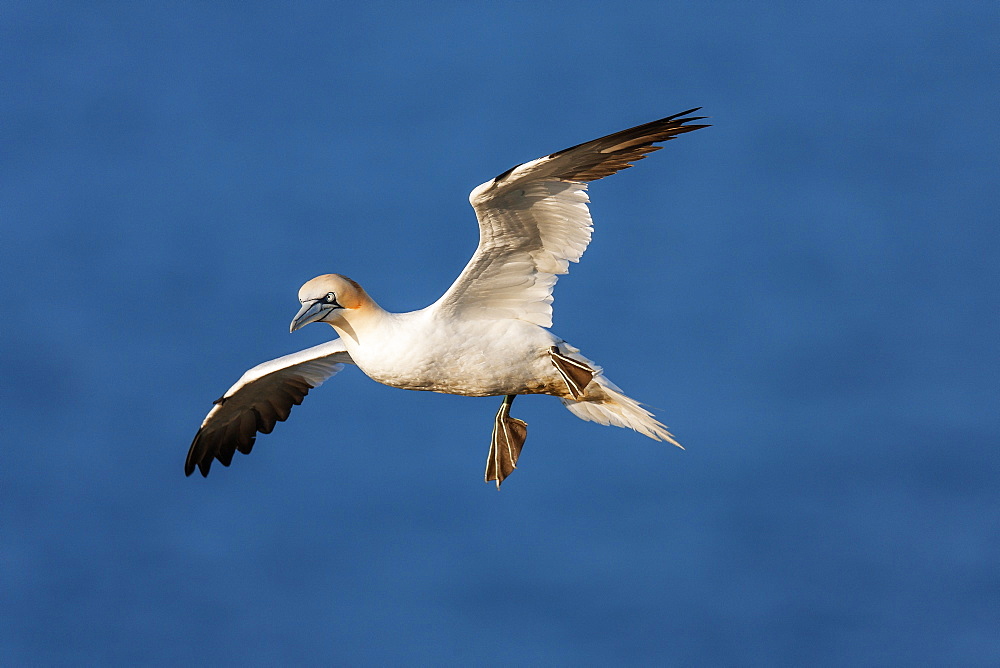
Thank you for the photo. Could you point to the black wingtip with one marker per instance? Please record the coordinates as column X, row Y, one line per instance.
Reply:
column 682, row 118
column 684, row 113
column 196, row 457
column 189, row 460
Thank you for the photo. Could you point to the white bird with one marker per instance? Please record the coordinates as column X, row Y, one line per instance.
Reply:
column 486, row 336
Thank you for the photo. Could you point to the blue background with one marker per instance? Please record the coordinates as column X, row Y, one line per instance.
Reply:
column 807, row 292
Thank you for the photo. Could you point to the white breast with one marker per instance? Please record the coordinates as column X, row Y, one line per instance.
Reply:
column 418, row 351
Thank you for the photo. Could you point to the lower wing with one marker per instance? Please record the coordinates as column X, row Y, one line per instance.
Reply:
column 262, row 397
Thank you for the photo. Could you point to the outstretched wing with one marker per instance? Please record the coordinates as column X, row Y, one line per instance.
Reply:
column 534, row 221
column 263, row 397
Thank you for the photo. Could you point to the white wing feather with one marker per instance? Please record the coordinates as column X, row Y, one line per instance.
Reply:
column 534, row 221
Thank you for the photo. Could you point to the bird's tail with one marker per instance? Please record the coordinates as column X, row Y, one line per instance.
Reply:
column 607, row 404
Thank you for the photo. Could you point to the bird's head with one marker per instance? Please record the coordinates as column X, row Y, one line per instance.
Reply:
column 326, row 299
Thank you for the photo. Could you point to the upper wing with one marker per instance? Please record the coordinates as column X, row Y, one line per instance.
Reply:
column 534, row 221
column 263, row 396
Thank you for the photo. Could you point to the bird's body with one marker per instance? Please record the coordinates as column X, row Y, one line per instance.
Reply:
column 486, row 336
column 421, row 350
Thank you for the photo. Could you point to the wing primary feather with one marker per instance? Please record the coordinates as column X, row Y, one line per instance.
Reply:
column 247, row 432
column 266, row 417
column 669, row 126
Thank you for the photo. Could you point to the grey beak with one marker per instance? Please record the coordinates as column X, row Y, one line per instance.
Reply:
column 313, row 311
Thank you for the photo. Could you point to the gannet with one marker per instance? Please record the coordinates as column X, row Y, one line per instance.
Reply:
column 486, row 336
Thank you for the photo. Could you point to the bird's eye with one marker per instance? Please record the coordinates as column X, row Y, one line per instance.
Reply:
column 330, row 298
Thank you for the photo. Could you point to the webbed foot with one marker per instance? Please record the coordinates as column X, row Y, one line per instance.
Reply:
column 575, row 373
column 505, row 445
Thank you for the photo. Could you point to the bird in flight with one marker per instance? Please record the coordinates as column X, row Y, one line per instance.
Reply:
column 486, row 336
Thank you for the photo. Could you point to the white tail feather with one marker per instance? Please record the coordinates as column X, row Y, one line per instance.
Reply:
column 608, row 405
column 614, row 408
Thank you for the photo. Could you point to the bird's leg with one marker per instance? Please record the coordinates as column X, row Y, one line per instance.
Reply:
column 575, row 373
column 505, row 445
